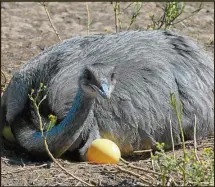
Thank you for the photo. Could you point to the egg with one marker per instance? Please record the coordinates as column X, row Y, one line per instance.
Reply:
column 103, row 151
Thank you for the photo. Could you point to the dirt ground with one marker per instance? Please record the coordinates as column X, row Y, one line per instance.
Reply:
column 25, row 31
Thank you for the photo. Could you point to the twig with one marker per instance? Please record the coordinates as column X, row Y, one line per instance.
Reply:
column 42, row 100
column 124, row 161
column 111, row 171
column 152, row 162
column 45, row 142
column 192, row 14
column 88, row 19
column 147, row 171
column 115, row 15
column 194, row 138
column 128, row 6
column 48, row 15
column 135, row 14
column 142, row 169
column 132, row 173
column 54, row 160
column 166, row 21
column 179, row 119
column 143, row 151
column 171, row 134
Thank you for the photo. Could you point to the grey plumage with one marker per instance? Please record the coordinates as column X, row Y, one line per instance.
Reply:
column 147, row 67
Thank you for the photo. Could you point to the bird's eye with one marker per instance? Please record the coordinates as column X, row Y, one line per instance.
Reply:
column 88, row 77
column 112, row 76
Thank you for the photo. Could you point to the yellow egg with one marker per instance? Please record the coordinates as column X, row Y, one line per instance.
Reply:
column 103, row 151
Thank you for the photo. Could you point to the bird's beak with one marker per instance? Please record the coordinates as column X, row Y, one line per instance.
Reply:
column 104, row 90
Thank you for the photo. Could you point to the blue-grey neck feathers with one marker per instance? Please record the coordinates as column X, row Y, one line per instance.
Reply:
column 56, row 129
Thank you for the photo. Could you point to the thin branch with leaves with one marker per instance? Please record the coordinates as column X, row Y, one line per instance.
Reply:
column 36, row 105
column 136, row 12
column 171, row 12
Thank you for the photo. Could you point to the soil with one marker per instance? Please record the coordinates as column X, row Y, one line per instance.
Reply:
column 26, row 30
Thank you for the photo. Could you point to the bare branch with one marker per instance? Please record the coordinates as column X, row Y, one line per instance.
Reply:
column 194, row 138
column 88, row 19
column 173, row 146
column 48, row 15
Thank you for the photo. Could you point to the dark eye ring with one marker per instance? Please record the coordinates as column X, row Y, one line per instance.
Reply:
column 88, row 76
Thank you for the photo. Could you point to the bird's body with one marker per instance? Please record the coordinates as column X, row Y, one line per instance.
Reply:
column 149, row 66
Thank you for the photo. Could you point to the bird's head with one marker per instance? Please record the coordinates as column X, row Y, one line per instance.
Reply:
column 98, row 79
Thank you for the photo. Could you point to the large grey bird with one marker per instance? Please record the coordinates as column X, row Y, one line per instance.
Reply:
column 114, row 86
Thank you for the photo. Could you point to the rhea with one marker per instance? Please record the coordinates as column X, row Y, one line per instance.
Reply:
column 114, row 86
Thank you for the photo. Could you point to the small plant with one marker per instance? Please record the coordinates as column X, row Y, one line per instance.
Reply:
column 35, row 98
column 177, row 107
column 164, row 163
column 197, row 173
column 136, row 12
column 188, row 168
column 117, row 13
column 171, row 12
column 170, row 15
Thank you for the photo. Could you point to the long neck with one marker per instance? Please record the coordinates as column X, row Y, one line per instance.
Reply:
column 79, row 97
column 65, row 134
column 79, row 105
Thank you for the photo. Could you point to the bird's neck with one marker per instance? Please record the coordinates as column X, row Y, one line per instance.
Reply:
column 73, row 124
column 63, row 135
column 80, row 102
